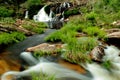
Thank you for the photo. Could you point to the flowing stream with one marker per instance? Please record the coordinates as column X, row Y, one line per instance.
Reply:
column 61, row 69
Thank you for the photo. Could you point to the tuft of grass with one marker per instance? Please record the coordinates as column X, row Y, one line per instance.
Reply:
column 54, row 37
column 7, row 21
column 107, row 64
column 77, row 49
column 37, row 27
column 42, row 76
column 91, row 16
column 39, row 53
column 14, row 37
column 95, row 32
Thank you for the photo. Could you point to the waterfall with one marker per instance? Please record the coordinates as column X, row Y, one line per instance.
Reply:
column 27, row 56
column 50, row 68
column 53, row 16
column 101, row 73
column 26, row 14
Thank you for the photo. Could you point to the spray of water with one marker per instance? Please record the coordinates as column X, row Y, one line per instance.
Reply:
column 101, row 73
column 46, row 67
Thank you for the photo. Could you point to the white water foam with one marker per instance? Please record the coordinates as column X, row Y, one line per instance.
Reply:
column 101, row 73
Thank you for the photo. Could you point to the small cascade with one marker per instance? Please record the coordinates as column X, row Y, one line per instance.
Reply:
column 47, row 67
column 52, row 15
column 27, row 56
column 26, row 14
column 99, row 72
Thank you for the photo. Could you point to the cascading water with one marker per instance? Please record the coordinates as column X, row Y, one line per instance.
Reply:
column 52, row 15
column 101, row 73
column 98, row 71
column 49, row 68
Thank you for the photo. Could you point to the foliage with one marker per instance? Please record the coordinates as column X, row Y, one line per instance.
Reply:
column 74, row 11
column 39, row 53
column 34, row 2
column 7, row 20
column 42, row 76
column 69, row 30
column 54, row 37
column 107, row 64
column 14, row 37
column 4, row 12
column 91, row 16
column 95, row 32
column 107, row 6
column 37, row 27
column 77, row 49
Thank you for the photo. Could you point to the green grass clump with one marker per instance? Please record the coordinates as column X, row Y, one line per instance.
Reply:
column 42, row 76
column 95, row 32
column 37, row 27
column 107, row 64
column 14, row 37
column 91, row 16
column 77, row 49
column 54, row 37
column 7, row 20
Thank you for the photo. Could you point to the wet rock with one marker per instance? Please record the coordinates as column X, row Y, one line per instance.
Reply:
column 114, row 35
column 114, row 38
column 97, row 53
column 45, row 47
column 116, row 23
column 109, row 31
column 7, row 63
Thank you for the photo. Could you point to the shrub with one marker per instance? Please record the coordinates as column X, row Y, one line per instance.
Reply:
column 4, row 12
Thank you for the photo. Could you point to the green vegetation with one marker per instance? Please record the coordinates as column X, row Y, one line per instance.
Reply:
column 4, row 12
column 37, row 27
column 7, row 21
column 77, row 49
column 42, row 76
column 39, row 53
column 74, row 11
column 14, row 37
column 107, row 64
column 95, row 32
